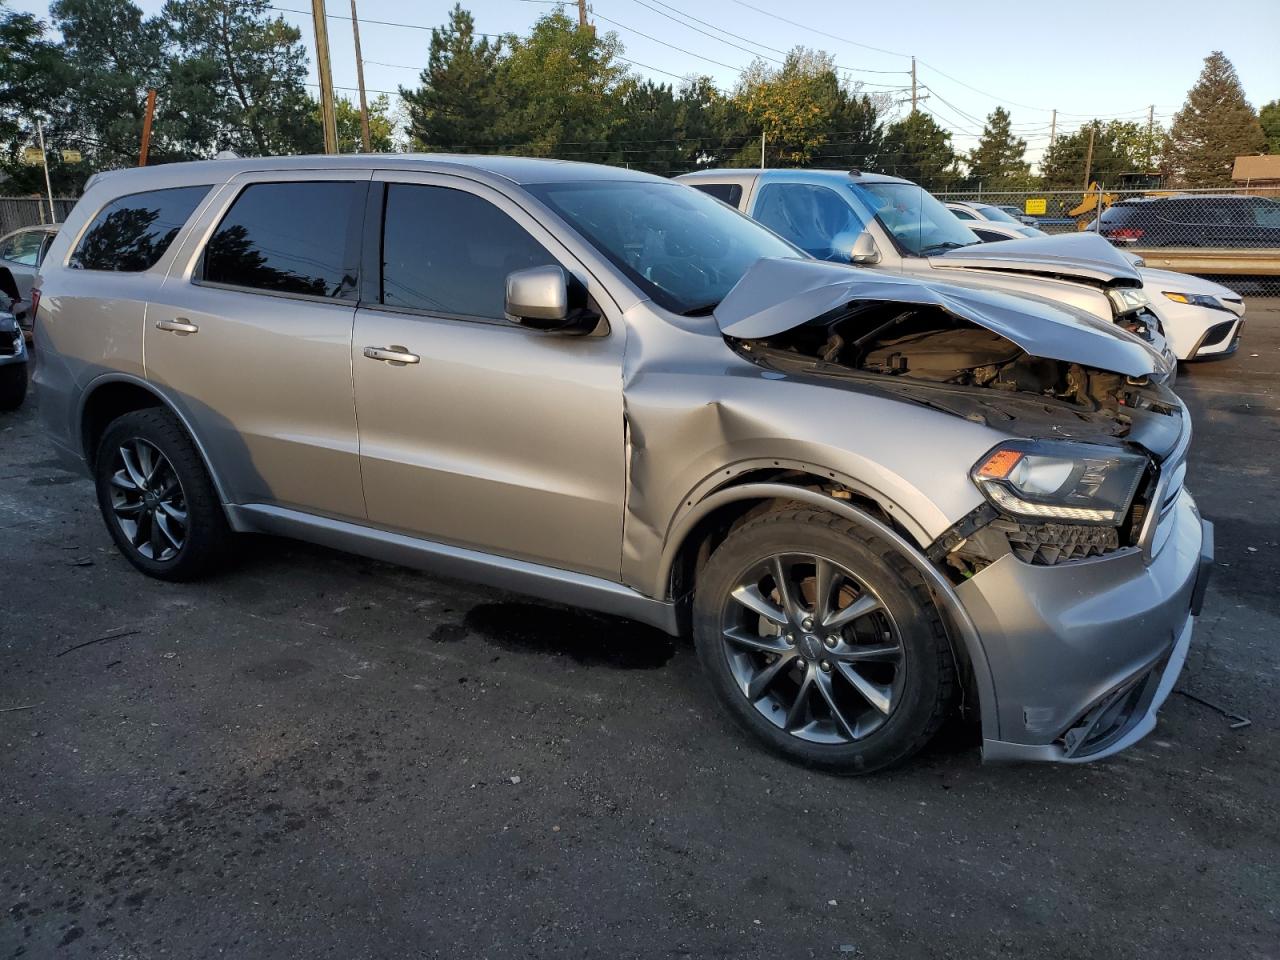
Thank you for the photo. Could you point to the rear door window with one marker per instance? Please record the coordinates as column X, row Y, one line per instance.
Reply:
column 449, row 252
column 131, row 233
column 290, row 238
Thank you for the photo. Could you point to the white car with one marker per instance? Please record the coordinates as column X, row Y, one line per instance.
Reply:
column 1201, row 319
column 975, row 210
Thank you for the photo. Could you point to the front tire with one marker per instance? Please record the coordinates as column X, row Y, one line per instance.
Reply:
column 157, row 499
column 13, row 385
column 822, row 642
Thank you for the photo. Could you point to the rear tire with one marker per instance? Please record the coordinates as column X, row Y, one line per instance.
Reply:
column 13, row 386
column 157, row 499
column 847, row 670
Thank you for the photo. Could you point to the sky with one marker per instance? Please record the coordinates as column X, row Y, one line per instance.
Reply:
column 1093, row 59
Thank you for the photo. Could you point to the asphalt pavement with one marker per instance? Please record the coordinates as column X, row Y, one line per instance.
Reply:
column 316, row 755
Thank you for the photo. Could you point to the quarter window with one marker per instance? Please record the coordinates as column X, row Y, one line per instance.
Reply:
column 448, row 251
column 730, row 193
column 289, row 238
column 131, row 233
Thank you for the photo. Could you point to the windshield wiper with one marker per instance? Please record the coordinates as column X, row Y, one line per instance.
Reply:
column 945, row 245
column 701, row 310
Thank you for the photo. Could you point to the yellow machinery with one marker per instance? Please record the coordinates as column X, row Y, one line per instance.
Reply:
column 1094, row 202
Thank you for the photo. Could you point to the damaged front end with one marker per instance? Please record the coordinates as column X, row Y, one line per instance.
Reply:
column 1092, row 425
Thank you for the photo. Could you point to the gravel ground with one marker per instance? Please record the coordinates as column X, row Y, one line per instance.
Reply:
column 316, row 755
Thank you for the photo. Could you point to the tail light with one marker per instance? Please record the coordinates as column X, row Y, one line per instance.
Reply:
column 35, row 304
column 1124, row 233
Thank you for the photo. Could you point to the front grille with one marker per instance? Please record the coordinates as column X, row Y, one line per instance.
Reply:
column 1047, row 544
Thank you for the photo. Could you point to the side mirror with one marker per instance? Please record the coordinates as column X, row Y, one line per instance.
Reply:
column 538, row 298
column 864, row 250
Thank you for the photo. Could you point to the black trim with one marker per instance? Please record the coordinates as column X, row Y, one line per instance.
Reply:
column 371, row 248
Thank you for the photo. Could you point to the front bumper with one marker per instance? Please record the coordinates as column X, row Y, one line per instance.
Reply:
column 1083, row 654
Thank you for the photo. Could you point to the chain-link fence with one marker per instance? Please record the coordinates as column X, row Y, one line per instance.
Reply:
column 1231, row 235
column 18, row 212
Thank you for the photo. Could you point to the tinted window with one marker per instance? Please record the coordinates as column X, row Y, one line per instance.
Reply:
column 449, row 251
column 816, row 219
column 679, row 246
column 988, row 236
column 730, row 193
column 24, row 248
column 131, row 233
column 962, row 213
column 288, row 238
column 995, row 213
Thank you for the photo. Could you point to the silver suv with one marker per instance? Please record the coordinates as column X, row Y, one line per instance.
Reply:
column 871, row 499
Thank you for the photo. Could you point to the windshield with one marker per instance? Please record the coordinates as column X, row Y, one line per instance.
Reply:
column 683, row 248
column 997, row 214
column 919, row 224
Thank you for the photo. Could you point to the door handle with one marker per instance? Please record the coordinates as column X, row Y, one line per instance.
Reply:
column 393, row 354
column 182, row 325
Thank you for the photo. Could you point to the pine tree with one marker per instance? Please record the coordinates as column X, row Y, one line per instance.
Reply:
column 1214, row 126
column 996, row 163
column 457, row 105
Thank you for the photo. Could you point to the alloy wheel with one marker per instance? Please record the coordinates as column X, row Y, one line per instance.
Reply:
column 148, row 501
column 813, row 649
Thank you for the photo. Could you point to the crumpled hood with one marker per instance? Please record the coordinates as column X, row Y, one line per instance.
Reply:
column 776, row 295
column 1084, row 255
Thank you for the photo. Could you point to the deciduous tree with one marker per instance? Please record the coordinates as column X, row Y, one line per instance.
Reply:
column 920, row 150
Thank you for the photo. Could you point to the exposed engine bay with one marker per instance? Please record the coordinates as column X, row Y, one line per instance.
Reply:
column 923, row 353
column 907, row 348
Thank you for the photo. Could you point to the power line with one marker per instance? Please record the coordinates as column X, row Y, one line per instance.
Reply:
column 855, row 43
column 738, row 36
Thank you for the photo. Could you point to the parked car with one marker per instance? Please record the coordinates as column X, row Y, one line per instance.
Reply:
column 13, row 362
column 1201, row 320
column 972, row 210
column 22, row 251
column 874, row 220
column 865, row 495
column 1193, row 221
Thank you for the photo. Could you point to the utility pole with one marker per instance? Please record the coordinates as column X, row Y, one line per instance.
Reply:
column 762, row 163
column 146, row 128
column 913, row 84
column 328, row 118
column 1088, row 157
column 364, row 104
column 44, row 161
column 1151, row 125
column 582, row 15
column 1053, row 128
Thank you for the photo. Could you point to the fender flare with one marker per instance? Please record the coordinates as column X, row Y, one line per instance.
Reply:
column 97, row 383
column 939, row 586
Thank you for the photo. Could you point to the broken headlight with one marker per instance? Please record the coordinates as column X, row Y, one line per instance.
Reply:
column 1060, row 480
column 1128, row 299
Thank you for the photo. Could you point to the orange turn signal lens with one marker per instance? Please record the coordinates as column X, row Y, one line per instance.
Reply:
column 1000, row 464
